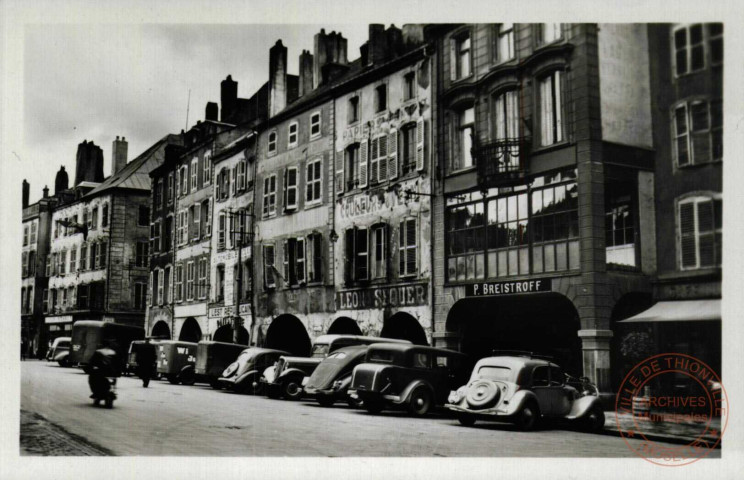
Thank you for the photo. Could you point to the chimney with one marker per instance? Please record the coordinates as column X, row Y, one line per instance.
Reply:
column 61, row 181
column 277, row 78
column 377, row 44
column 89, row 164
column 25, row 193
column 229, row 97
column 394, row 38
column 211, row 111
column 119, row 154
column 46, row 191
column 413, row 35
column 329, row 48
column 306, row 73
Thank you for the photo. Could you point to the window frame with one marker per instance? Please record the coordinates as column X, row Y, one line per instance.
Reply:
column 501, row 36
column 268, row 268
column 404, row 246
column 458, row 50
column 462, row 127
column 542, row 38
column 711, row 132
column 291, row 188
column 409, row 86
column 207, row 169
column 553, row 81
column 717, row 231
column 269, row 196
column 353, row 109
column 293, row 143
column 381, row 101
column 272, row 142
column 316, row 121
column 311, row 181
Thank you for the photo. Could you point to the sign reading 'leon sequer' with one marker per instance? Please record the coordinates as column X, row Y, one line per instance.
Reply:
column 383, row 297
column 508, row 288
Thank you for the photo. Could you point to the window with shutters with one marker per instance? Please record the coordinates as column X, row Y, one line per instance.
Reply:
column 93, row 219
column 25, row 235
column 105, row 210
column 353, row 110
column 92, row 255
column 157, row 245
column 356, row 254
column 292, row 135
column 378, row 250
column 203, row 285
column 461, row 53
column 272, row 142
column 194, row 174
column 241, row 185
column 221, row 231
column 314, row 252
column 268, row 266
column 351, row 166
column 196, row 221
column 82, row 264
column 378, row 160
column 465, row 126
column 381, row 98
column 143, row 217
column 24, row 265
column 700, row 230
column 184, row 180
column 288, row 262
column 409, row 86
column 408, row 148
column 62, row 262
column 269, row 196
column 300, row 264
column 73, row 261
column 142, row 254
column 178, row 283
column 315, row 120
column 167, row 295
column 45, row 300
column 161, row 286
column 407, row 248
column 290, row 188
column 504, row 50
column 102, row 252
column 313, row 183
column 190, row 275
column 32, row 237
column 140, row 290
column 207, row 168
column 551, row 109
column 698, row 132
column 169, row 193
column 550, row 32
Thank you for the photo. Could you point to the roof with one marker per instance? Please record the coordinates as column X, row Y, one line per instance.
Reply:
column 135, row 175
column 513, row 362
column 407, row 347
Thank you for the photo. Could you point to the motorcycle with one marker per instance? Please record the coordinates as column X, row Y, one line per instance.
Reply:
column 102, row 377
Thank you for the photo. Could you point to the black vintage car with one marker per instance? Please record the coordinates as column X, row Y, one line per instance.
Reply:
column 176, row 361
column 330, row 381
column 212, row 358
column 409, row 376
column 244, row 374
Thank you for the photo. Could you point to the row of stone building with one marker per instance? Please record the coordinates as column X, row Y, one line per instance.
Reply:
column 542, row 187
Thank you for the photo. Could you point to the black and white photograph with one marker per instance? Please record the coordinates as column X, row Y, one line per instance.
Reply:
column 318, row 242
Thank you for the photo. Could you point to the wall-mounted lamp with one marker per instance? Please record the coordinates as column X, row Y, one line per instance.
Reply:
column 333, row 236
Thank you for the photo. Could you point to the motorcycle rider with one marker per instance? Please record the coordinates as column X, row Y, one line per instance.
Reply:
column 102, row 365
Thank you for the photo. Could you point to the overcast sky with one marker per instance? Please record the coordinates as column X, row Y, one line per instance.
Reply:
column 94, row 82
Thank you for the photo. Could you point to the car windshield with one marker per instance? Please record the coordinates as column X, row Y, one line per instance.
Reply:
column 381, row 356
column 320, row 349
column 248, row 356
column 491, row 372
column 338, row 355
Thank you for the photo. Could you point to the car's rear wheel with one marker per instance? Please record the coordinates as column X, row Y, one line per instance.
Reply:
column 528, row 417
column 173, row 379
column 466, row 419
column 420, row 401
column 594, row 420
column 214, row 383
column 292, row 389
column 325, row 401
column 372, row 406
column 355, row 402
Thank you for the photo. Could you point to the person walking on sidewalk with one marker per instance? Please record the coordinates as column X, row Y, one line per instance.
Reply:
column 146, row 362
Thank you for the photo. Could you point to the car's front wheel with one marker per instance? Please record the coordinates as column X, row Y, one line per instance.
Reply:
column 372, row 406
column 325, row 401
column 594, row 420
column 466, row 419
column 528, row 417
column 292, row 389
column 420, row 401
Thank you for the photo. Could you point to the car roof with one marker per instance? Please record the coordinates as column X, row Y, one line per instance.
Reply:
column 322, row 339
column 264, row 350
column 351, row 348
column 513, row 362
column 61, row 339
column 177, row 342
column 398, row 347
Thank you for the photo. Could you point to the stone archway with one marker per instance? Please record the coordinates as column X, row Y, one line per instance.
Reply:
column 225, row 334
column 404, row 326
column 190, row 331
column 287, row 333
column 161, row 330
column 344, row 326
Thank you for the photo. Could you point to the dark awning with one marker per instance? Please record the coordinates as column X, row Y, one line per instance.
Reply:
column 680, row 311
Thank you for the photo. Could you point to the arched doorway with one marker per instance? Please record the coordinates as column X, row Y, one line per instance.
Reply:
column 225, row 334
column 287, row 333
column 631, row 342
column 190, row 331
column 546, row 323
column 404, row 326
column 161, row 330
column 344, row 326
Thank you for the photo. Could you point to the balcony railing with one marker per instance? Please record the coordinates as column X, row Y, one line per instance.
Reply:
column 501, row 160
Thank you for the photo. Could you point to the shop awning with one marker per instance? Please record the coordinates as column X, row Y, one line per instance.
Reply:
column 679, row 311
column 58, row 319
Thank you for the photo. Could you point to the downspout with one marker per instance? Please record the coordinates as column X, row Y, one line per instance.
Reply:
column 108, row 256
column 254, row 325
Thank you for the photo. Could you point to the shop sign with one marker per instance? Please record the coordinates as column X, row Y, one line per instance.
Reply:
column 60, row 319
column 485, row 289
column 413, row 295
column 228, row 321
column 219, row 312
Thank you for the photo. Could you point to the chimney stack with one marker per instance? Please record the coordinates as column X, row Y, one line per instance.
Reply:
column 46, row 191
column 211, row 111
column 329, row 48
column 61, row 181
column 277, row 78
column 119, row 151
column 89, row 164
column 229, row 98
column 25, row 193
column 306, row 73
column 377, row 44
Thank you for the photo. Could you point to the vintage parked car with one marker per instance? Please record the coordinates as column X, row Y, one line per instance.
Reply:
column 212, row 358
column 60, row 351
column 244, row 374
column 134, row 349
column 410, row 376
column 523, row 389
column 176, row 361
column 286, row 377
column 91, row 335
column 330, row 381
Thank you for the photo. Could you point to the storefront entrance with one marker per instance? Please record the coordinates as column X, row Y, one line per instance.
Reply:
column 190, row 331
column 225, row 334
column 161, row 330
column 287, row 333
column 344, row 326
column 544, row 323
column 404, row 326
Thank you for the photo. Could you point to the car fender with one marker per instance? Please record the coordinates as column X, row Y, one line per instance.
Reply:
column 245, row 377
column 344, row 383
column 582, row 406
column 187, row 370
column 61, row 357
column 405, row 396
column 290, row 372
column 518, row 400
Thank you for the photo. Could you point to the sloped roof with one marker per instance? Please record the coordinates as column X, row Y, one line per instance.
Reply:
column 136, row 174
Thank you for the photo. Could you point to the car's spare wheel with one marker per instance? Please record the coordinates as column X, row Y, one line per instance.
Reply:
column 483, row 394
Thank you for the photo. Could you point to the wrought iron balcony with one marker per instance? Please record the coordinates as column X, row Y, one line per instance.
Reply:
column 501, row 160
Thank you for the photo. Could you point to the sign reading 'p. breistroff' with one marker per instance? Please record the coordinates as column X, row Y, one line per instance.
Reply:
column 508, row 288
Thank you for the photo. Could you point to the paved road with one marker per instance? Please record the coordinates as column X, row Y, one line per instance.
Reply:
column 177, row 420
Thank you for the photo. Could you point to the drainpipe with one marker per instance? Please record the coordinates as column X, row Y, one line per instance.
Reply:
column 252, row 216
column 108, row 256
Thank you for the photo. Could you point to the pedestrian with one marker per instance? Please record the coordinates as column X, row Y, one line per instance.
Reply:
column 146, row 362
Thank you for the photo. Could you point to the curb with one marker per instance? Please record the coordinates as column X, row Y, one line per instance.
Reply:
column 611, row 429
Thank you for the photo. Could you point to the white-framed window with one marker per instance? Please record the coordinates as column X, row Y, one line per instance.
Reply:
column 408, row 248
column 290, row 188
column 352, row 160
column 315, row 125
column 313, row 182
column 242, row 168
column 272, row 142
column 73, row 260
column 269, row 195
column 689, row 48
column 32, row 238
column 190, row 275
column 356, row 254
column 196, row 219
column 698, row 132
column 194, row 174
column 178, row 284
column 221, row 231
column 409, row 86
column 171, row 188
column 161, row 286
column 465, row 128
column 314, row 252
column 292, row 135
column 699, row 223
column 203, row 271
column 504, row 42
column 299, row 269
column 25, row 235
column 353, row 109
column 207, row 168
column 461, row 56
column 550, row 32
column 551, row 111
column 184, row 180
column 378, row 241
column 381, row 98
column 268, row 263
column 141, row 256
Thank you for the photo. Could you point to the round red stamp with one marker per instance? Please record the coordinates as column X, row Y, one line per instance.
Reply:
column 672, row 395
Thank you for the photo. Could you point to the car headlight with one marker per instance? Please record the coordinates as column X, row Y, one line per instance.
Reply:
column 337, row 384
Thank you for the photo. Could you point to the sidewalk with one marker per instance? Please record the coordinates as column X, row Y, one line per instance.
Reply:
column 41, row 437
column 666, row 431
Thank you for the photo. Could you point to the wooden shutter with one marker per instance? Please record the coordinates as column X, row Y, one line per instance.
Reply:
column 363, row 151
column 420, row 144
column 339, row 172
column 453, row 59
column 284, row 188
column 558, row 107
column 411, row 247
column 687, row 234
column 349, row 255
column 392, row 145
column 374, row 162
